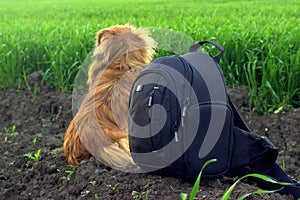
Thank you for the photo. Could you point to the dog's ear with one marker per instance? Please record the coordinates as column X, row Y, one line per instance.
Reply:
column 103, row 35
column 111, row 31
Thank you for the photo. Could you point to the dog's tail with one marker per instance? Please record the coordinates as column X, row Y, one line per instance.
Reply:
column 74, row 150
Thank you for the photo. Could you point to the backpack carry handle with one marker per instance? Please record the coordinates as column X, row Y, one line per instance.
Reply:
column 196, row 46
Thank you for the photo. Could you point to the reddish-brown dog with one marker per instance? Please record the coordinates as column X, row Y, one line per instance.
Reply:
column 99, row 127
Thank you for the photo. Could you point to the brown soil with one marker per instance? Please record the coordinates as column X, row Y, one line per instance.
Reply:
column 41, row 124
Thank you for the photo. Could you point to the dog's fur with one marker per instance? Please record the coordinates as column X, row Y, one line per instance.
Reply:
column 100, row 125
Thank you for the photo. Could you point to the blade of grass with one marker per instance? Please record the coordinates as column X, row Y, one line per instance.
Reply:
column 227, row 194
column 259, row 191
column 197, row 183
column 195, row 189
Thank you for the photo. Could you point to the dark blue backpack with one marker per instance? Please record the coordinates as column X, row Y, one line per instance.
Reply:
column 180, row 116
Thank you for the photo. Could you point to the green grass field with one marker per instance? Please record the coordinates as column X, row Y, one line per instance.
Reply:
column 261, row 39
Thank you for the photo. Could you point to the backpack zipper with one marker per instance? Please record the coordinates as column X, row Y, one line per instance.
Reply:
column 186, row 101
column 151, row 96
column 184, row 110
column 175, row 127
column 175, row 118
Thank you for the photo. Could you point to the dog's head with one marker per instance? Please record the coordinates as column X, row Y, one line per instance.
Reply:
column 120, row 48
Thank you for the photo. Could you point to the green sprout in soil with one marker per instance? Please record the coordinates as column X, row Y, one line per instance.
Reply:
column 46, row 120
column 93, row 183
column 113, row 187
column 172, row 188
column 139, row 195
column 37, row 156
column 54, row 152
column 11, row 131
column 282, row 165
column 19, row 83
column 34, row 141
column 83, row 193
column 32, row 91
column 58, row 113
column 69, row 173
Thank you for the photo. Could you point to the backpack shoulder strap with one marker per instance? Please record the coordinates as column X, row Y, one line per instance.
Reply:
column 238, row 120
column 257, row 154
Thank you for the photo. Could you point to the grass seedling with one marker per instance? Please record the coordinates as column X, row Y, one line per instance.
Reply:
column 282, row 165
column 32, row 91
column 54, row 152
column 113, row 187
column 11, row 131
column 69, row 173
column 46, row 120
column 58, row 113
column 147, row 192
column 227, row 194
column 195, row 189
column 139, row 195
column 259, row 191
column 34, row 141
column 93, row 183
column 37, row 156
column 19, row 83
column 83, row 193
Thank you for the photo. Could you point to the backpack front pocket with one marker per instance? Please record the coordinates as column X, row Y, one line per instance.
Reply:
column 209, row 136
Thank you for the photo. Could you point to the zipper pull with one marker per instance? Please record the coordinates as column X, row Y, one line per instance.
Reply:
column 151, row 96
column 183, row 114
column 176, row 136
column 150, row 99
column 175, row 126
column 186, row 104
column 184, row 111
